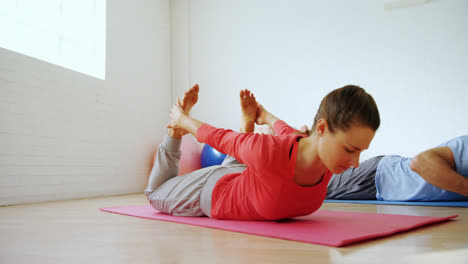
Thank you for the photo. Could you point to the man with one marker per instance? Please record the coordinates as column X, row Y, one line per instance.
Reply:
column 438, row 174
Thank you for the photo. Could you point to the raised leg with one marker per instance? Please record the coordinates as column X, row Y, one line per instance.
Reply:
column 166, row 164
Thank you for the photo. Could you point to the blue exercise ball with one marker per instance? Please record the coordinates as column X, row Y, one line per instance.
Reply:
column 210, row 156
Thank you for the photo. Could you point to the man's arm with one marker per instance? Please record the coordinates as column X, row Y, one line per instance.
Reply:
column 437, row 167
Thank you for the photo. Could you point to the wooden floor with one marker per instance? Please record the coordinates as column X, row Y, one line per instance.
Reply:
column 77, row 232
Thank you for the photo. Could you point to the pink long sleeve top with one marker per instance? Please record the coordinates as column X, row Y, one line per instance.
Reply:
column 266, row 189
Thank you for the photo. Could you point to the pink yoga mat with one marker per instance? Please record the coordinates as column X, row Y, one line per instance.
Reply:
column 331, row 228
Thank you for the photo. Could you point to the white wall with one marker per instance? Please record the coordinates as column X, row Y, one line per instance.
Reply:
column 67, row 135
column 414, row 61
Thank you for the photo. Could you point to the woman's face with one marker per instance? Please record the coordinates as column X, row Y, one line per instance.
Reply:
column 342, row 149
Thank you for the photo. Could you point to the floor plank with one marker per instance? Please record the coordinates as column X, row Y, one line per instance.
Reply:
column 77, row 232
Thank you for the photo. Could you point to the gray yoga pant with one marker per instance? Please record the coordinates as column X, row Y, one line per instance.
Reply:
column 355, row 183
column 185, row 195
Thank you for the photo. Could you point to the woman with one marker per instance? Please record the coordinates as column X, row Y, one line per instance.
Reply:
column 264, row 177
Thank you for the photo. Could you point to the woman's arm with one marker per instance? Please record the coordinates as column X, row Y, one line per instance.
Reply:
column 437, row 167
column 251, row 149
column 266, row 118
column 181, row 120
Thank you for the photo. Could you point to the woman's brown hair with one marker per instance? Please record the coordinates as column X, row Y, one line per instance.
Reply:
column 348, row 105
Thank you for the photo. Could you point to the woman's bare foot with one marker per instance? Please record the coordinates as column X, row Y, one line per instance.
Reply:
column 249, row 111
column 190, row 98
column 188, row 101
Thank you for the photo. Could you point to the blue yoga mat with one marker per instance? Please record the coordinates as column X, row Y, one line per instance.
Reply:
column 445, row 204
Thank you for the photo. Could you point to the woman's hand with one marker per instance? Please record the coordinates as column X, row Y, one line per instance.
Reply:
column 264, row 117
column 177, row 115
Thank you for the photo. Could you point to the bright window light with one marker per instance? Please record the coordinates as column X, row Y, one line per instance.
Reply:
column 69, row 33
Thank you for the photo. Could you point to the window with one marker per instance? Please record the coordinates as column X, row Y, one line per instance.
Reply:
column 69, row 33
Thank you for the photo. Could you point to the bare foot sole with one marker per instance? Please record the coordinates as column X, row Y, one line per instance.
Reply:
column 190, row 98
column 249, row 111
